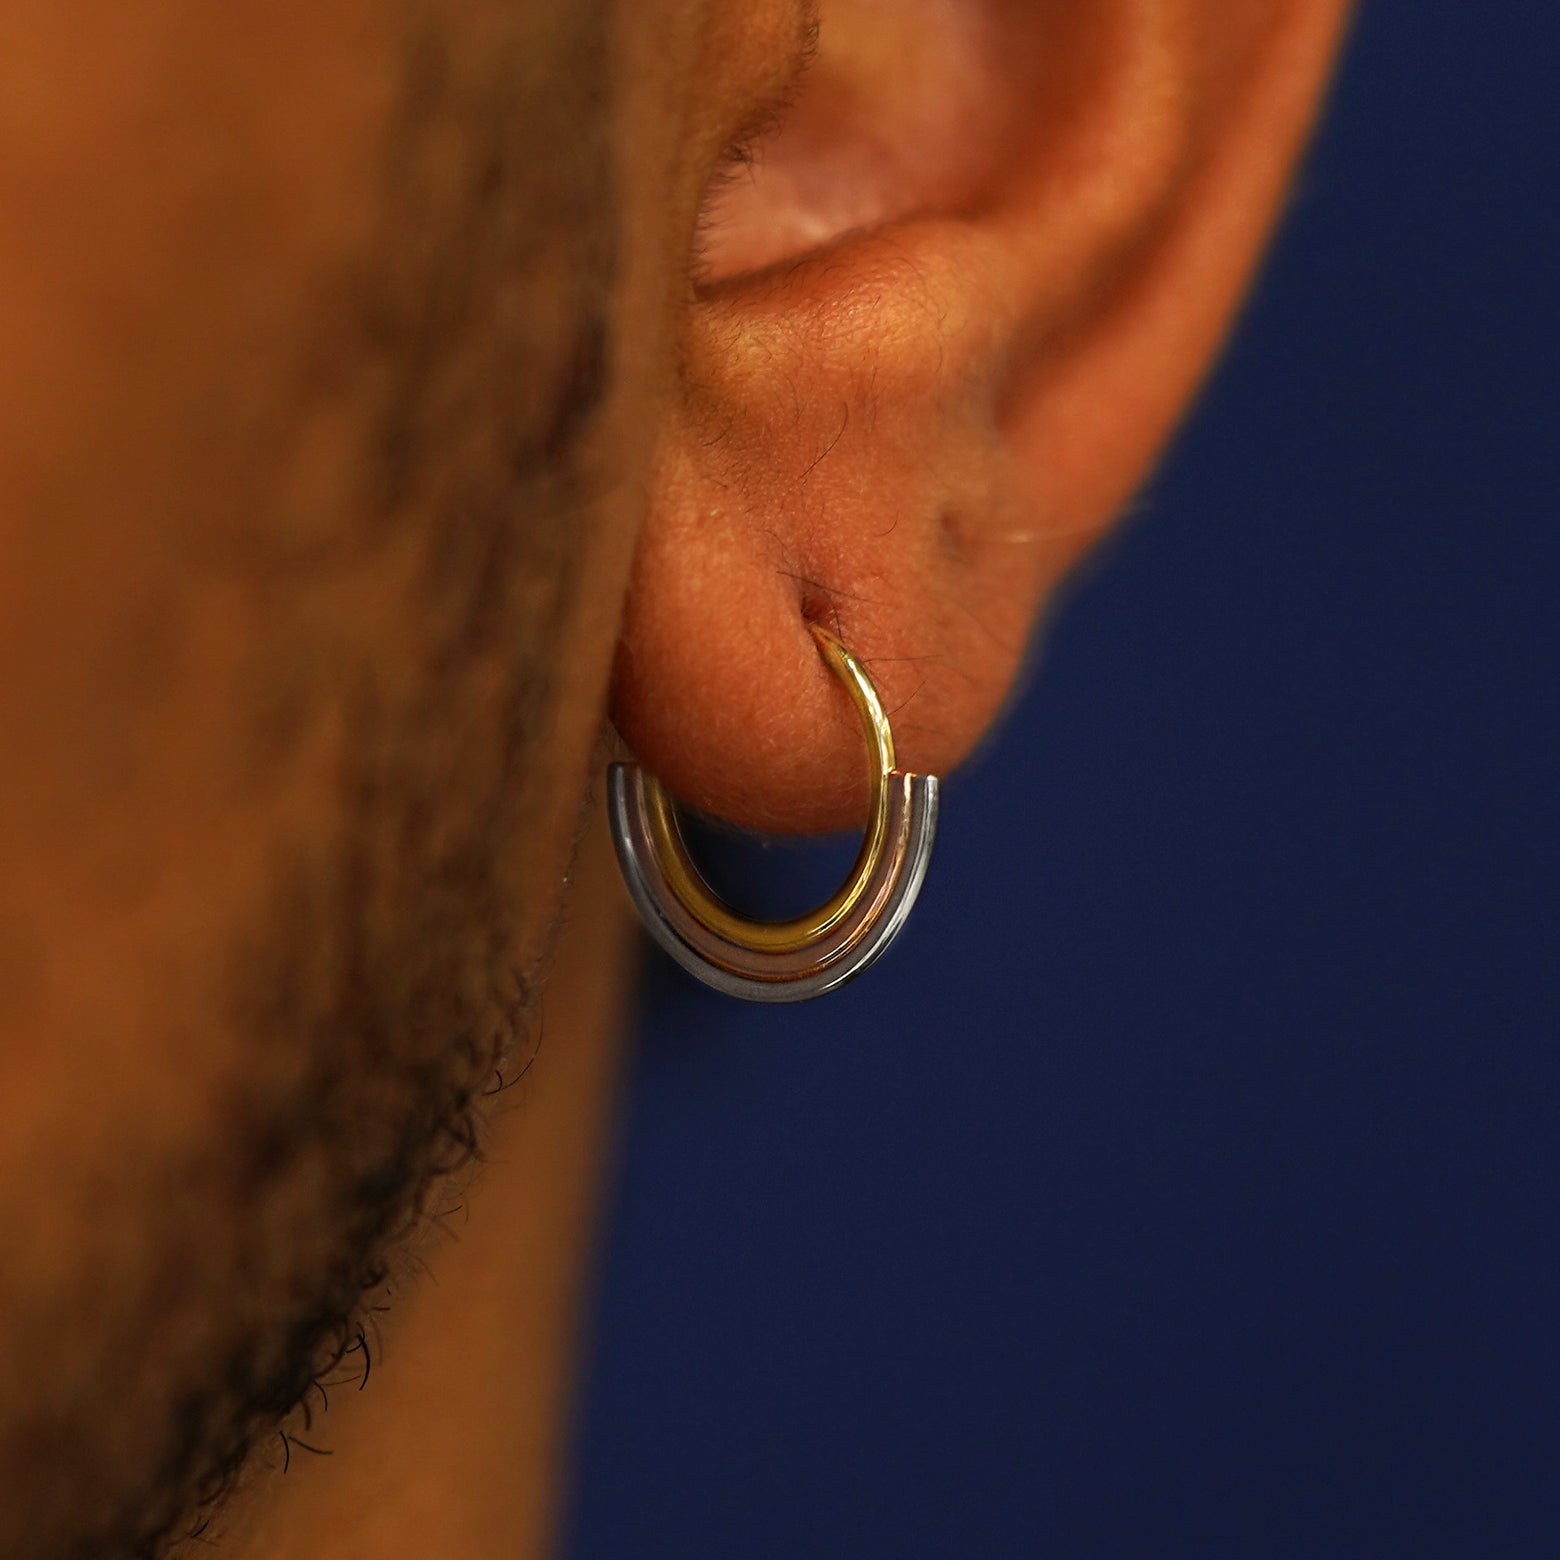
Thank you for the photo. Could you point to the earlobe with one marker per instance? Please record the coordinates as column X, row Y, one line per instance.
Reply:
column 921, row 372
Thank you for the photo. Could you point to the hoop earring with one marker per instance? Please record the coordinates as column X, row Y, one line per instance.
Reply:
column 781, row 961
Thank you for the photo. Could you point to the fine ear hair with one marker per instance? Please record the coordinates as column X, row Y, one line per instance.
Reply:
column 940, row 328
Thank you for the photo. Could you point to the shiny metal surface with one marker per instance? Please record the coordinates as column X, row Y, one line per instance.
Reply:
column 781, row 961
column 764, row 975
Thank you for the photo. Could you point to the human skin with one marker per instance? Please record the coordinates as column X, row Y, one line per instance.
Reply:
column 332, row 532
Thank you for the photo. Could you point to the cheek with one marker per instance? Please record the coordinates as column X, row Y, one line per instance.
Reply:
column 171, row 193
column 167, row 215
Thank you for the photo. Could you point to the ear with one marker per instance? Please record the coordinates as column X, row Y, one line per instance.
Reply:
column 938, row 334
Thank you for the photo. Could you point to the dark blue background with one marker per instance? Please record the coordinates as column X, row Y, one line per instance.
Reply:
column 1187, row 1182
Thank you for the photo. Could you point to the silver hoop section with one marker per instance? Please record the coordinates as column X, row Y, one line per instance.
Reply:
column 756, row 975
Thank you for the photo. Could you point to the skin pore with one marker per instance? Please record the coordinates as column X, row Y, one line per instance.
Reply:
column 395, row 392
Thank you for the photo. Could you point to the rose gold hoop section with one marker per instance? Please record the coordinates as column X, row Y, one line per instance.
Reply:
column 782, row 961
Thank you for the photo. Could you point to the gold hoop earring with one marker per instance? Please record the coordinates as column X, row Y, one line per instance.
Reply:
column 781, row 961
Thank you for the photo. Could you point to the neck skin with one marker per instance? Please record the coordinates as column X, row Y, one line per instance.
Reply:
column 459, row 1446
